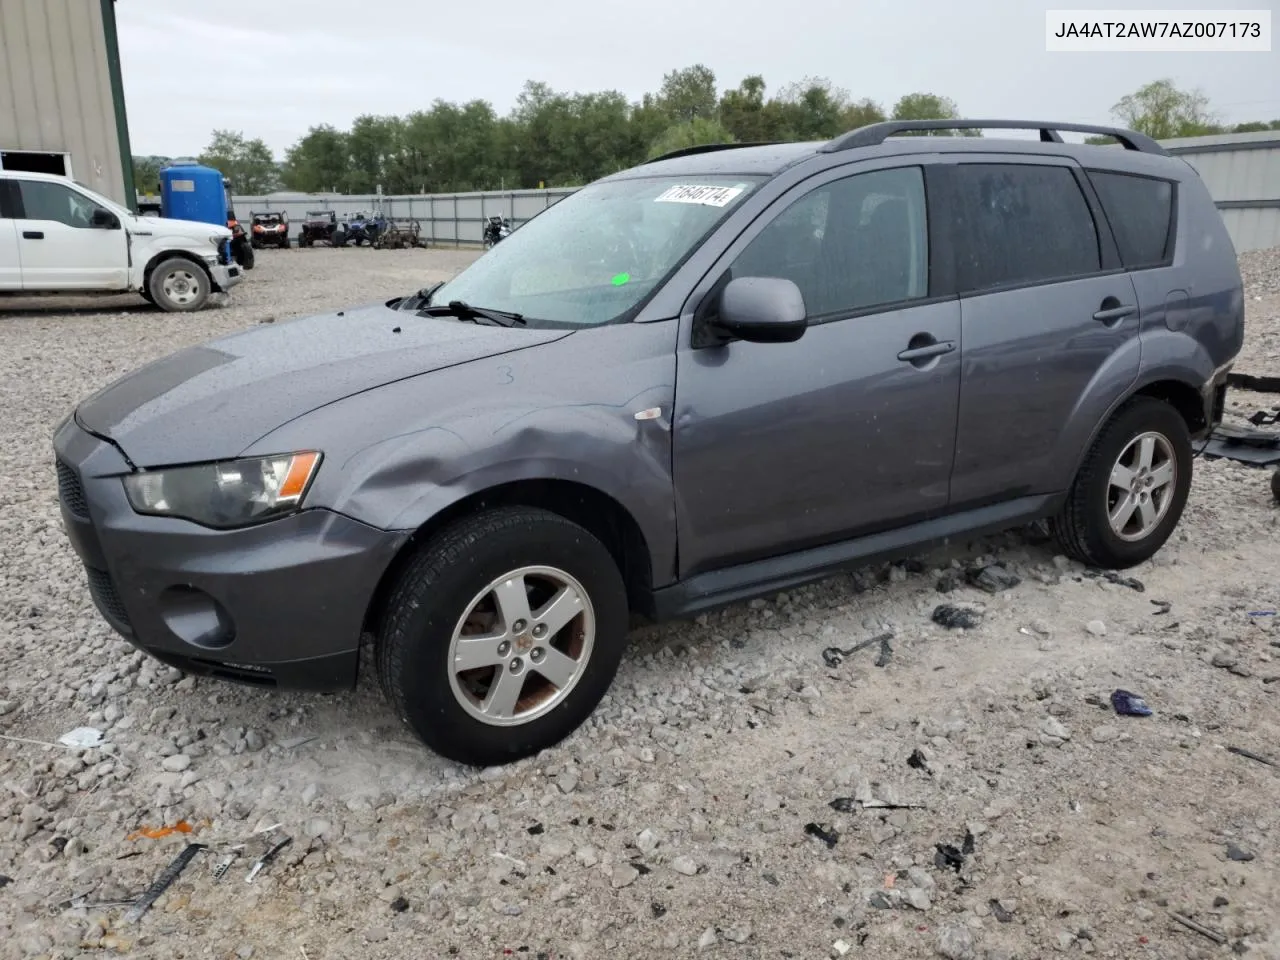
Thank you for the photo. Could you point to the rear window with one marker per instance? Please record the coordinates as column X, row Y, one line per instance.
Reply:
column 1023, row 224
column 1140, row 211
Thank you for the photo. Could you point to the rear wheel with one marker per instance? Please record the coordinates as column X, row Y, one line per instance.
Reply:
column 502, row 635
column 179, row 285
column 1130, row 492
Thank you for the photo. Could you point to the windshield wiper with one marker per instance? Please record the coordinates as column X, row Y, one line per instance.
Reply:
column 465, row 311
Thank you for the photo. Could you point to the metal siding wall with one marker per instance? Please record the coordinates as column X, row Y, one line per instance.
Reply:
column 57, row 95
column 1242, row 170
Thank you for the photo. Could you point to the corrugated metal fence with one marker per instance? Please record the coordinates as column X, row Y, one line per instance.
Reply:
column 1241, row 170
column 445, row 218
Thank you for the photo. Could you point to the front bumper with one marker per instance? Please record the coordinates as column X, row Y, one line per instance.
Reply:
column 278, row 604
column 225, row 276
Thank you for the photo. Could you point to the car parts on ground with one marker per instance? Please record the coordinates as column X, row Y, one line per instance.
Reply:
column 399, row 235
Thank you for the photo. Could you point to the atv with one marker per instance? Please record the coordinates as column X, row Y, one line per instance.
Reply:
column 321, row 226
column 270, row 229
column 362, row 228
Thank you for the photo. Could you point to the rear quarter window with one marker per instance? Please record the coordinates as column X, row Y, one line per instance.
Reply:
column 1140, row 211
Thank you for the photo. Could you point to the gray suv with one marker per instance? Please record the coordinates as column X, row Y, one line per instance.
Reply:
column 716, row 375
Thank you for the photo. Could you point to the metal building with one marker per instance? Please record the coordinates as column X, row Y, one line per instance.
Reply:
column 1242, row 172
column 61, row 94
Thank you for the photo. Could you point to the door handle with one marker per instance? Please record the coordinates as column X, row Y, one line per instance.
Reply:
column 32, row 234
column 935, row 349
column 1110, row 312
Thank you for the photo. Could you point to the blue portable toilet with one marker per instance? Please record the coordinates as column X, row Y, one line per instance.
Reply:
column 191, row 191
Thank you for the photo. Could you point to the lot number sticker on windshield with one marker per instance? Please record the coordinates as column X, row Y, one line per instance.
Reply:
column 708, row 196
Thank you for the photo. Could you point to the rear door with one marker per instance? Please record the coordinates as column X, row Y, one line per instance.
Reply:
column 1050, row 324
column 10, row 262
column 60, row 247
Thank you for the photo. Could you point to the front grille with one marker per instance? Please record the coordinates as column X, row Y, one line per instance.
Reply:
column 105, row 595
column 70, row 492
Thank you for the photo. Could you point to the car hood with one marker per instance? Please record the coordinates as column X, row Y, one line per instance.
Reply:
column 172, row 227
column 212, row 401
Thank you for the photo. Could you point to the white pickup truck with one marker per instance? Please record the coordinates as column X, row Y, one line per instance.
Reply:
column 58, row 236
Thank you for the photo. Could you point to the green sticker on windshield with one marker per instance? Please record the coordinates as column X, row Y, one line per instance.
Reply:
column 620, row 279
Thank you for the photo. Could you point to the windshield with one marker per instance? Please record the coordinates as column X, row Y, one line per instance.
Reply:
column 596, row 255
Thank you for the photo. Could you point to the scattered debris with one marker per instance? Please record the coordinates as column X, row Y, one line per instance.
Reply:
column 844, row 805
column 827, row 835
column 1249, row 754
column 5, row 881
column 1262, row 613
column 999, row 912
column 222, row 866
column 992, row 578
column 162, row 883
column 956, row 618
column 886, row 653
column 38, row 743
column 840, row 948
column 1198, row 928
column 1164, row 607
column 155, row 833
column 1133, row 583
column 1129, row 704
column 917, row 761
column 266, row 858
column 834, row 656
column 296, row 742
column 399, row 905
column 950, row 858
column 82, row 737
column 1238, row 854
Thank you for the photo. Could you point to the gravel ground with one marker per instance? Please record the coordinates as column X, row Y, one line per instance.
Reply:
column 728, row 798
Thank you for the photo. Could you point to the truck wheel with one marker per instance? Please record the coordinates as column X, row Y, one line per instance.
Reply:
column 502, row 634
column 246, row 257
column 1131, row 489
column 179, row 284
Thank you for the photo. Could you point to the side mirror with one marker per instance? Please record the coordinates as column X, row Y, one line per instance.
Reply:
column 104, row 220
column 762, row 310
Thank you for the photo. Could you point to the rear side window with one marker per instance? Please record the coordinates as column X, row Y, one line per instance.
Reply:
column 1140, row 211
column 1022, row 224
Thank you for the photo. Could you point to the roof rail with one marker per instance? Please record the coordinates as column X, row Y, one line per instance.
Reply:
column 876, row 133
column 710, row 148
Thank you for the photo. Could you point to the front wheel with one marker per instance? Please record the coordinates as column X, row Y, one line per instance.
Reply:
column 1130, row 492
column 502, row 634
column 179, row 285
column 245, row 256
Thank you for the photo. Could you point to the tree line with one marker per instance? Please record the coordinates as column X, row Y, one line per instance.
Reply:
column 551, row 138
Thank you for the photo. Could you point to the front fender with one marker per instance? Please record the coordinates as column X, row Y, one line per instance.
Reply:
column 397, row 455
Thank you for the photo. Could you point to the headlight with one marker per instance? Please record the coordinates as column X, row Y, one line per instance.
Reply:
column 233, row 493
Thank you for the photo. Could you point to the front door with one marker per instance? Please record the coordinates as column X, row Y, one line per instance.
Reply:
column 847, row 430
column 1050, row 326
column 61, row 247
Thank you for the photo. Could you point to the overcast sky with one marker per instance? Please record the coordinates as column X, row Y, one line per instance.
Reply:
column 272, row 68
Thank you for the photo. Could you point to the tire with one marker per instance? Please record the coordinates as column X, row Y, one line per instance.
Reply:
column 1084, row 528
column 437, row 590
column 1275, row 484
column 247, row 256
column 189, row 285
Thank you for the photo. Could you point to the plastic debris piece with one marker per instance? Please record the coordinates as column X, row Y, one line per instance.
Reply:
column 1164, row 605
column 999, row 912
column 948, row 857
column 886, row 653
column 162, row 882
column 1262, row 613
column 82, row 737
column 844, row 805
column 992, row 578
column 956, row 618
column 155, row 833
column 917, row 762
column 1133, row 583
column 828, row 836
column 1129, row 704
